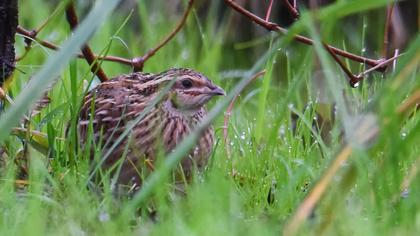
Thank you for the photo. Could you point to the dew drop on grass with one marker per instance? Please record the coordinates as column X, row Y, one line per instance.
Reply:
column 405, row 193
column 282, row 130
column 185, row 54
column 403, row 135
column 243, row 136
column 103, row 217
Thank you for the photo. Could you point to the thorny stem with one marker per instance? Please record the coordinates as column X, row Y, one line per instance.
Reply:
column 73, row 21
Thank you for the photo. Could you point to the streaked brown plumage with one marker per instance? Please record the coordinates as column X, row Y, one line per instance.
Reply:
column 119, row 101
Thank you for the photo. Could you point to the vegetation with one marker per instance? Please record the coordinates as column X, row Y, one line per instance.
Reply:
column 305, row 152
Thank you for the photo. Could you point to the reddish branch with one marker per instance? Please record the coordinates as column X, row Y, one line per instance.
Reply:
column 353, row 79
column 381, row 64
column 270, row 6
column 388, row 24
column 31, row 34
column 275, row 27
column 86, row 51
column 137, row 63
column 292, row 8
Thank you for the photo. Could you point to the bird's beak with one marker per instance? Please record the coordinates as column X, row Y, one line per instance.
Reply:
column 217, row 91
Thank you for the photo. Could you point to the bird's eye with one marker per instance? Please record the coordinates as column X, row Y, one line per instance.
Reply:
column 187, row 83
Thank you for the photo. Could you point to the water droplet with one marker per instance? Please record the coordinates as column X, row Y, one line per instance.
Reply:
column 282, row 130
column 357, row 84
column 185, row 54
column 104, row 217
column 405, row 193
column 243, row 136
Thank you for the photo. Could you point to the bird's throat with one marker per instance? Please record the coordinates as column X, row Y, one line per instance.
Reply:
column 172, row 107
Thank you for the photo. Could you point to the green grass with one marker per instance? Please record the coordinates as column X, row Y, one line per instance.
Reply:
column 275, row 161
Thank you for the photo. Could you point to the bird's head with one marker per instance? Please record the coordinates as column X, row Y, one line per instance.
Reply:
column 191, row 90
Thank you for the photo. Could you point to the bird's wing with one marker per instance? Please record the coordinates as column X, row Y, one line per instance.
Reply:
column 109, row 106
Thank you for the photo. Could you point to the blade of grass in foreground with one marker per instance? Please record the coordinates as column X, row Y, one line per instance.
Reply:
column 51, row 69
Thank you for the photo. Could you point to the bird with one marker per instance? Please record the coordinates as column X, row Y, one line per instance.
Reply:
column 109, row 108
